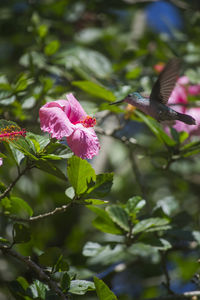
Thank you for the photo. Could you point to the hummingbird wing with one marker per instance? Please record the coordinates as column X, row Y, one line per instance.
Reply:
column 166, row 81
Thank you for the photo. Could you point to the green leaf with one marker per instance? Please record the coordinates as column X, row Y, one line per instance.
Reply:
column 102, row 185
column 50, row 168
column 6, row 124
column 175, row 135
column 65, row 281
column 134, row 73
column 103, row 222
column 21, row 83
column 103, row 291
column 52, row 47
column 95, row 90
column 7, row 100
column 42, row 30
column 134, row 205
column 51, row 157
column 156, row 129
column 95, row 201
column 33, row 58
column 4, row 84
column 3, row 240
column 35, row 144
column 196, row 235
column 17, row 155
column 21, row 233
column 106, row 254
column 80, row 174
column 77, row 58
column 91, row 249
column 142, row 250
column 118, row 216
column 165, row 245
column 61, row 264
column 146, row 224
column 29, row 103
column 69, row 192
column 80, row 287
column 17, row 207
column 58, row 149
column 23, row 282
column 183, row 135
column 39, row 141
column 38, row 290
column 190, row 149
column 16, row 289
column 25, row 147
column 89, row 35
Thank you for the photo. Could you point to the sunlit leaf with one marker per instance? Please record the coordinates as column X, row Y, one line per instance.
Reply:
column 134, row 205
column 80, row 174
column 119, row 216
column 38, row 290
column 17, row 207
column 102, row 185
column 52, row 47
column 103, row 291
column 95, row 90
column 156, row 129
column 149, row 223
column 103, row 222
column 80, row 287
column 77, row 58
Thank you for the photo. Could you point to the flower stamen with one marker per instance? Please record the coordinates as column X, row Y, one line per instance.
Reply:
column 88, row 122
column 11, row 132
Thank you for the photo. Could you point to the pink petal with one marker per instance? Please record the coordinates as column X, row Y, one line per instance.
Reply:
column 183, row 80
column 195, row 113
column 194, row 89
column 54, row 120
column 84, row 142
column 74, row 111
column 180, row 126
column 191, row 129
column 178, row 96
column 1, row 161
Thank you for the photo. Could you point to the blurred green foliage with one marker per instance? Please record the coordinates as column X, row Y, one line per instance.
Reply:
column 131, row 216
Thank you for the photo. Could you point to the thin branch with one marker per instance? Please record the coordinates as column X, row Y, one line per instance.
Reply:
column 124, row 139
column 178, row 3
column 168, row 164
column 190, row 104
column 9, row 188
column 193, row 295
column 136, row 171
column 165, row 271
column 54, row 212
column 37, row 270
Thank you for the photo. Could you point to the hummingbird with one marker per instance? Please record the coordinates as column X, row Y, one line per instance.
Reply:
column 155, row 105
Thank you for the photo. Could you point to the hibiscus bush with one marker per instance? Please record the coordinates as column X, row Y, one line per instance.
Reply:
column 97, row 201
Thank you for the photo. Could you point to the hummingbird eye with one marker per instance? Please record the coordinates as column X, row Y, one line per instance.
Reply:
column 129, row 95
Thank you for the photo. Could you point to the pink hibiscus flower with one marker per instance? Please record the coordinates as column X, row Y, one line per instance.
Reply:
column 67, row 118
column 179, row 96
column 1, row 161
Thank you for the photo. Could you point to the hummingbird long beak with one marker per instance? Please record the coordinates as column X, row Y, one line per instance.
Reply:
column 117, row 102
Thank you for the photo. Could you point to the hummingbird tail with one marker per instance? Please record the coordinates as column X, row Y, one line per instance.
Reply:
column 186, row 119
